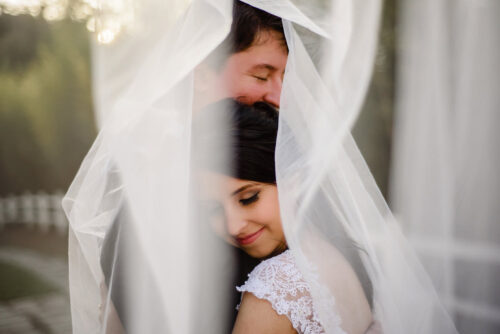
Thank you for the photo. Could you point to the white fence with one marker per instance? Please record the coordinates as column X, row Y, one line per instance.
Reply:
column 40, row 210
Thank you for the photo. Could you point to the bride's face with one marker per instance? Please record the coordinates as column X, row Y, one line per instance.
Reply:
column 245, row 213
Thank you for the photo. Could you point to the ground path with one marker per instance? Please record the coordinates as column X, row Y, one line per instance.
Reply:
column 45, row 314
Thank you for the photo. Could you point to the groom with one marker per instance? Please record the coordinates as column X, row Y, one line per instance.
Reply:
column 250, row 63
column 248, row 66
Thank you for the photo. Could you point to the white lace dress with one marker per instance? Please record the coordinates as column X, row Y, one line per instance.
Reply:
column 279, row 281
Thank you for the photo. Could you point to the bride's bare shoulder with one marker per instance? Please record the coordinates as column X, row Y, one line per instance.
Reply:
column 343, row 283
column 258, row 316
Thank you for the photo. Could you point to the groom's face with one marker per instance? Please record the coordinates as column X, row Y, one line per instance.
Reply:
column 256, row 74
column 252, row 75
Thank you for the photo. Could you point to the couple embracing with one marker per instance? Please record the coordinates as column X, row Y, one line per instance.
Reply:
column 243, row 137
column 241, row 200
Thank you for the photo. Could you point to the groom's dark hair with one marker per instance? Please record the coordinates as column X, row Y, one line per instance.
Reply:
column 248, row 22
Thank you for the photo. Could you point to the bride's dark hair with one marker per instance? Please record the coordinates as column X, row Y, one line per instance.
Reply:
column 249, row 138
column 253, row 138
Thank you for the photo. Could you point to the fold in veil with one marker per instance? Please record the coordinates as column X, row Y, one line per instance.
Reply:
column 139, row 259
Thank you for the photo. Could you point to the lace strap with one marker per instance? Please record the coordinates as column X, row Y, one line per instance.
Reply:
column 279, row 281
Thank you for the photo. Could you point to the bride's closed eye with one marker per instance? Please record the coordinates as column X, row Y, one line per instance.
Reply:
column 249, row 200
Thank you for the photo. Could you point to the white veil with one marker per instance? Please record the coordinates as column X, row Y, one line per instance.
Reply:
column 139, row 259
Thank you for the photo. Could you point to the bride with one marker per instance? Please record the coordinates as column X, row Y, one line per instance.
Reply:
column 337, row 234
column 242, row 205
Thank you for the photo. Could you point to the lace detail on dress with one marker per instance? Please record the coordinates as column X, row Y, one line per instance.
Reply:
column 279, row 281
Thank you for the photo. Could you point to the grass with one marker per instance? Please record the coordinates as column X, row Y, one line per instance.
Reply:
column 16, row 282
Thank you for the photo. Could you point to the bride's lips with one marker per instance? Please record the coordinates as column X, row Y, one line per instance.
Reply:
column 250, row 238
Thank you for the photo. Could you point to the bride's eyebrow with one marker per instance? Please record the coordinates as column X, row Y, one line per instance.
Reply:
column 243, row 188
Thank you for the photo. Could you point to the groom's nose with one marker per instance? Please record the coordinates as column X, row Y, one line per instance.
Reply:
column 272, row 95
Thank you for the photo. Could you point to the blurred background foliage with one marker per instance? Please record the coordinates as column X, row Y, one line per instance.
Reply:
column 46, row 117
column 373, row 130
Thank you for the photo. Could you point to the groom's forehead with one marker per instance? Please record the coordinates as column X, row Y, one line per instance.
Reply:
column 265, row 39
column 266, row 47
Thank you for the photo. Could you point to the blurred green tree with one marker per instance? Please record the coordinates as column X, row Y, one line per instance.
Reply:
column 46, row 117
column 20, row 37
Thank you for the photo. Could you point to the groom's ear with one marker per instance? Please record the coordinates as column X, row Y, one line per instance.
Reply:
column 205, row 78
column 208, row 86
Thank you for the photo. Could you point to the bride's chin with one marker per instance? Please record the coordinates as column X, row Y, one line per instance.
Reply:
column 259, row 253
column 255, row 252
column 257, row 256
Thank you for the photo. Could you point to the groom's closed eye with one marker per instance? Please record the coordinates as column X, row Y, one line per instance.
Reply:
column 262, row 71
column 260, row 78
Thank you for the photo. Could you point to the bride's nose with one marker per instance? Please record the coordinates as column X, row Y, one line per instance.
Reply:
column 235, row 222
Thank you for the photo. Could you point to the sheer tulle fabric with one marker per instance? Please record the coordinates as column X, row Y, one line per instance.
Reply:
column 140, row 257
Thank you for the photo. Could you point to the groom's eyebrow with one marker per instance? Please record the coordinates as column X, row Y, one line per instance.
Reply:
column 264, row 66
column 267, row 67
column 240, row 189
